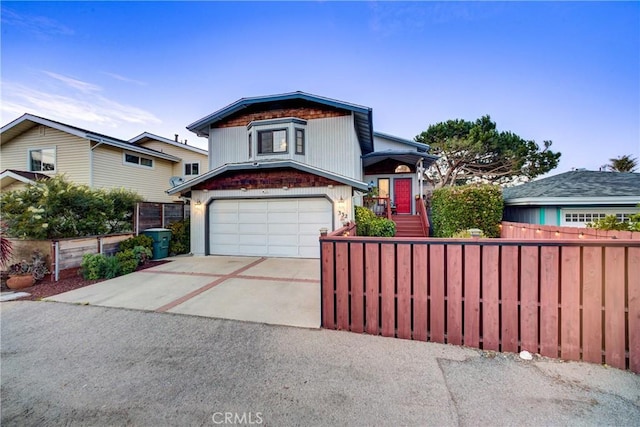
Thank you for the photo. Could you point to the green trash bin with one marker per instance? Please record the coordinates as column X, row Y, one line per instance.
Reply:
column 161, row 238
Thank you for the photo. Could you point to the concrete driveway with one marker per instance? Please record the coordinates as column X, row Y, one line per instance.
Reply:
column 279, row 291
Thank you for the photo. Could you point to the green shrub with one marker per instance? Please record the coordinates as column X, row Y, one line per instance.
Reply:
column 139, row 240
column 610, row 222
column 142, row 254
column 459, row 208
column 180, row 237
column 93, row 266
column 368, row 224
column 127, row 260
column 111, row 267
column 465, row 234
column 56, row 208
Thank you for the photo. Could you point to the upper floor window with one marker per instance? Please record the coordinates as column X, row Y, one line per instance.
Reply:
column 272, row 141
column 299, row 141
column 134, row 159
column 192, row 168
column 42, row 160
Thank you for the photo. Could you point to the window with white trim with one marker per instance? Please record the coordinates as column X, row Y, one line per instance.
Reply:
column 580, row 217
column 134, row 159
column 42, row 160
column 192, row 168
column 299, row 141
column 272, row 141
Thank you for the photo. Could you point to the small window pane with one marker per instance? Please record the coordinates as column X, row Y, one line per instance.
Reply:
column 42, row 160
column 299, row 141
column 280, row 141
column 146, row 162
column 131, row 159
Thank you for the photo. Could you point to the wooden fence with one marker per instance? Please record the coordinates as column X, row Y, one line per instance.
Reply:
column 569, row 299
column 67, row 253
column 517, row 230
column 158, row 215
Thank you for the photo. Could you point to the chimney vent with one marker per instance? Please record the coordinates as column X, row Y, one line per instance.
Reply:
column 176, row 135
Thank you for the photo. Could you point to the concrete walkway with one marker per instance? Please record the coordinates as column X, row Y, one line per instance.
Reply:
column 276, row 291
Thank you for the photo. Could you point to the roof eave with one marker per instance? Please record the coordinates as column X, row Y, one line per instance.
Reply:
column 267, row 165
column 577, row 201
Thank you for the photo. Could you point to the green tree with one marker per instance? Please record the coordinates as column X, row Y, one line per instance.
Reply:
column 476, row 152
column 624, row 163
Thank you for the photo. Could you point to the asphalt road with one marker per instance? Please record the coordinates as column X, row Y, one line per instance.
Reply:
column 64, row 364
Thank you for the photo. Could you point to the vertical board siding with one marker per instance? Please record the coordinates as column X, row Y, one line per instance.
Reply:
column 575, row 300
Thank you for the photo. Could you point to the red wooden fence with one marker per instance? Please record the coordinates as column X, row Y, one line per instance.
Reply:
column 518, row 230
column 575, row 300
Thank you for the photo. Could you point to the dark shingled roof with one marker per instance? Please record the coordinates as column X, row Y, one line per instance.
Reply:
column 579, row 184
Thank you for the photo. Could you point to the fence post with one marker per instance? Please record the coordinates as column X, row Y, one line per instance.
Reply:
column 136, row 219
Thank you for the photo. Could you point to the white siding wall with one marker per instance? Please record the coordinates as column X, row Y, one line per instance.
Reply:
column 186, row 155
column 110, row 171
column 330, row 144
column 72, row 152
column 382, row 144
column 198, row 211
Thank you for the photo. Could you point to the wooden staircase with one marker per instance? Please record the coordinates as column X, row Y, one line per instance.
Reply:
column 408, row 226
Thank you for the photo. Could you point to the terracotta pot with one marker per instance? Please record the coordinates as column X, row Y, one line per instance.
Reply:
column 20, row 282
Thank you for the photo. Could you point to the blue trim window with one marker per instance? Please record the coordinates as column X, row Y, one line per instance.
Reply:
column 272, row 141
column 299, row 141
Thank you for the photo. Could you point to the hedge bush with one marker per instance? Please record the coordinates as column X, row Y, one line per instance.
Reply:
column 456, row 209
column 56, row 208
column 368, row 224
column 180, row 237
column 139, row 240
column 610, row 222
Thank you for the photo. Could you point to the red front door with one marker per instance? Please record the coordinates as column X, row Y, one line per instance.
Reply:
column 402, row 195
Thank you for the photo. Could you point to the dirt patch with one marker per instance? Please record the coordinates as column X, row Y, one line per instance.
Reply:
column 48, row 288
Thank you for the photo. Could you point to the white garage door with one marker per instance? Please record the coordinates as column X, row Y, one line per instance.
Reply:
column 268, row 227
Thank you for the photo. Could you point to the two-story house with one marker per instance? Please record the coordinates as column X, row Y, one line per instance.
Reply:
column 33, row 148
column 284, row 166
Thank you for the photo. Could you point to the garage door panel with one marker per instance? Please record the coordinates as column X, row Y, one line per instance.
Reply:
column 268, row 227
column 283, row 206
column 252, row 218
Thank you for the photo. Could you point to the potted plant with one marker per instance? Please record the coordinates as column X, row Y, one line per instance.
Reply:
column 26, row 273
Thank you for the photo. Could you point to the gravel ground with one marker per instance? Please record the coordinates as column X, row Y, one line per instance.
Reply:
column 65, row 364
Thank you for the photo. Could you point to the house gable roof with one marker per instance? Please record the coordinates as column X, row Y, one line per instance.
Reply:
column 267, row 164
column 27, row 121
column 147, row 136
column 9, row 176
column 362, row 115
column 577, row 187
column 419, row 145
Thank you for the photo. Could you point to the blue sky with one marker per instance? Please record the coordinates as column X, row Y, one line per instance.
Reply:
column 566, row 72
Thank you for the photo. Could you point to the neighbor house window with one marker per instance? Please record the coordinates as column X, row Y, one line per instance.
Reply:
column 299, row 141
column 250, row 142
column 42, row 160
column 272, row 141
column 191, row 168
column 134, row 159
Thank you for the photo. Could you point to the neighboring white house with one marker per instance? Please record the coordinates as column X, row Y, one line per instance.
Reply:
column 33, row 147
column 284, row 166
